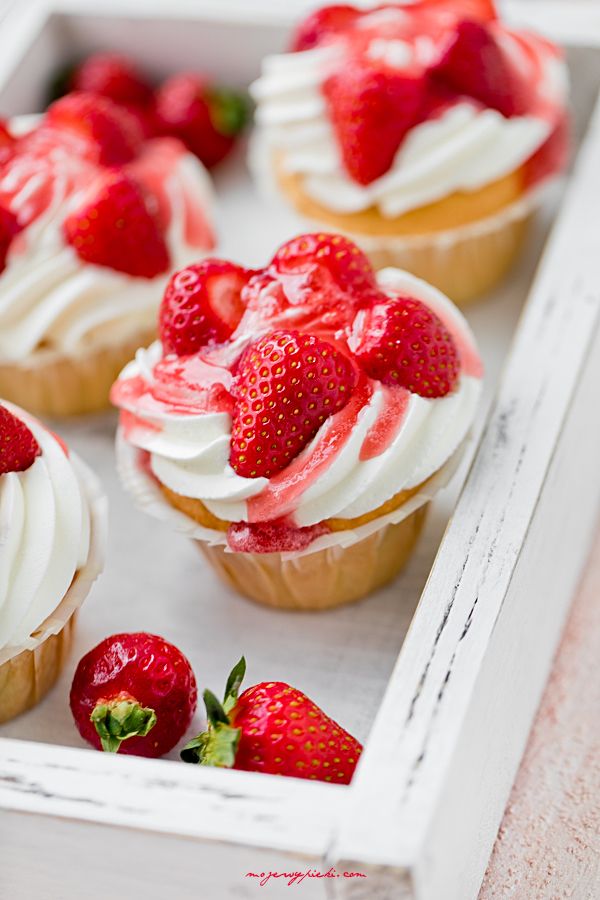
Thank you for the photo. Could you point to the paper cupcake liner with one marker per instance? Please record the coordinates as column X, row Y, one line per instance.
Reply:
column 51, row 383
column 323, row 579
column 28, row 671
column 465, row 262
column 149, row 498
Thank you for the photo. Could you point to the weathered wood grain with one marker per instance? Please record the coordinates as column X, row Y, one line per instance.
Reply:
column 549, row 841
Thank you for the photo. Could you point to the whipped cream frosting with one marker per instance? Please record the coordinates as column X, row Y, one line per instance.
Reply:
column 463, row 148
column 390, row 442
column 50, row 298
column 44, row 535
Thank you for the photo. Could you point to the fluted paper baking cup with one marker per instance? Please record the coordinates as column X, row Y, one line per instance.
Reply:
column 149, row 498
column 84, row 578
column 52, row 383
column 464, row 262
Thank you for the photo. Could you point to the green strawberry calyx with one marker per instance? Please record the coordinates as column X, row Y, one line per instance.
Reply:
column 228, row 110
column 217, row 746
column 119, row 719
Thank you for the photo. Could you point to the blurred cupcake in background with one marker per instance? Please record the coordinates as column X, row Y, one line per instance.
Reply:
column 423, row 131
column 93, row 219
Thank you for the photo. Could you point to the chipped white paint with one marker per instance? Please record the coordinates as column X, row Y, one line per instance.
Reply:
column 422, row 813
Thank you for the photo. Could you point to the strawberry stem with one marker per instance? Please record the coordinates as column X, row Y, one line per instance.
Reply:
column 217, row 746
column 121, row 718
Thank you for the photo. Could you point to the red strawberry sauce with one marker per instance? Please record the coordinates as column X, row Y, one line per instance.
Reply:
column 381, row 435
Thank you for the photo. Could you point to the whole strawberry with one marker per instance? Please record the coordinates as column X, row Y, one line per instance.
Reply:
column 114, row 76
column 133, row 693
column 207, row 119
column 402, row 342
column 287, row 384
column 18, row 447
column 118, row 227
column 275, row 729
column 201, row 305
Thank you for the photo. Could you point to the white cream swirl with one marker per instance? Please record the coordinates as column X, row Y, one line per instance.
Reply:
column 463, row 149
column 52, row 299
column 189, row 453
column 44, row 536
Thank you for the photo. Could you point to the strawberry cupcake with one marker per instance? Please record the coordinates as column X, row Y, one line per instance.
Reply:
column 424, row 131
column 93, row 219
column 52, row 536
column 296, row 420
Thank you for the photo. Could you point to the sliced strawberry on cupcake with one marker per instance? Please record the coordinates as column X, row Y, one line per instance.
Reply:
column 287, row 385
column 275, row 729
column 206, row 118
column 112, row 136
column 348, row 266
column 476, row 65
column 403, row 342
column 371, row 108
column 134, row 694
column 18, row 447
column 202, row 305
column 117, row 227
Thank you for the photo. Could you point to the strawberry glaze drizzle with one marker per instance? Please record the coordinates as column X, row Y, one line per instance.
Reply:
column 389, row 422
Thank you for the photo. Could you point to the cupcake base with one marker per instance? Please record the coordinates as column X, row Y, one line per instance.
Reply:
column 54, row 384
column 26, row 678
column 464, row 265
column 325, row 578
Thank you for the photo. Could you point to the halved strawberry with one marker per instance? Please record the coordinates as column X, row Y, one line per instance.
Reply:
column 476, row 65
column 112, row 135
column 348, row 266
column 201, row 305
column 372, row 107
column 322, row 25
column 18, row 447
column 114, row 76
column 117, row 228
column 9, row 226
column 287, row 384
column 402, row 342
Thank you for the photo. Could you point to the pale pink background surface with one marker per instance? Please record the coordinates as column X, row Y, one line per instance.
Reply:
column 548, row 847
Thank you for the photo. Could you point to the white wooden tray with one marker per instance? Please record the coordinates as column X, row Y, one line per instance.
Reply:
column 442, row 693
